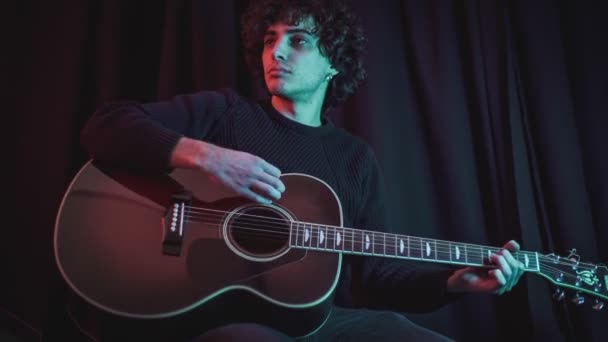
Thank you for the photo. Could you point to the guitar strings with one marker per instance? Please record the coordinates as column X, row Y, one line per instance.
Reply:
column 374, row 246
column 267, row 234
column 284, row 233
column 265, row 221
column 551, row 271
column 439, row 251
column 439, row 247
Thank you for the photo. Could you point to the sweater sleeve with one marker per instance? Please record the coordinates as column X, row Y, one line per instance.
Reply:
column 143, row 136
column 393, row 284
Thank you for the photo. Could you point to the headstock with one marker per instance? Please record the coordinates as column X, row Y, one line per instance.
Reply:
column 570, row 273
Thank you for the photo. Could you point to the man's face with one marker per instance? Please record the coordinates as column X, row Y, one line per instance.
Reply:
column 294, row 67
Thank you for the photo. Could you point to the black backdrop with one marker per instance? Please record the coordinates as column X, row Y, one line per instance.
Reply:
column 488, row 118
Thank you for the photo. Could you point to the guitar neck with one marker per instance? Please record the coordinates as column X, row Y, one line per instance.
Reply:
column 366, row 242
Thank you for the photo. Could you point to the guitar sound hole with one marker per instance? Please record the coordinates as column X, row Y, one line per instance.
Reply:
column 260, row 231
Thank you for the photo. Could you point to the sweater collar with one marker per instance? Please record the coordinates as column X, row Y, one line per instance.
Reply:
column 326, row 124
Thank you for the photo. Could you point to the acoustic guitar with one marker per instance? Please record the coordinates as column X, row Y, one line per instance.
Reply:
column 179, row 246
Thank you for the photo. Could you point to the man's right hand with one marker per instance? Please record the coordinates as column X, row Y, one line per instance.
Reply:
column 248, row 175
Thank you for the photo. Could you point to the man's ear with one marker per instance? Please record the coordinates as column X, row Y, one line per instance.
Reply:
column 333, row 72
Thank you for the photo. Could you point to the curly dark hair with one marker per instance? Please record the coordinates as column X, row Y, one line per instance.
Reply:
column 341, row 38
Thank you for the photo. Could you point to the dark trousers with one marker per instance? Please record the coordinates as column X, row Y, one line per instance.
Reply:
column 342, row 325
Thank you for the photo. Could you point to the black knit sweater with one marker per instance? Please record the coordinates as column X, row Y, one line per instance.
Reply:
column 144, row 135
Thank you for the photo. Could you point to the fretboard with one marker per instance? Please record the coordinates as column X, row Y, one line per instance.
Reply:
column 366, row 242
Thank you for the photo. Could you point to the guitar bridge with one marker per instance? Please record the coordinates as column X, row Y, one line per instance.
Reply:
column 173, row 223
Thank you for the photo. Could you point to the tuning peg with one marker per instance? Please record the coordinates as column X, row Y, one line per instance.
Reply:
column 559, row 295
column 597, row 305
column 578, row 299
column 572, row 255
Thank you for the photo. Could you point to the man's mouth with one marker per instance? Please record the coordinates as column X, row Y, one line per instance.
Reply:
column 278, row 71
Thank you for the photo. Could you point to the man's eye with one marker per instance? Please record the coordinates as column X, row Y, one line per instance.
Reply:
column 268, row 42
column 299, row 41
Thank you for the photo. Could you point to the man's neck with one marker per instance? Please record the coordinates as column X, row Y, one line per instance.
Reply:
column 304, row 112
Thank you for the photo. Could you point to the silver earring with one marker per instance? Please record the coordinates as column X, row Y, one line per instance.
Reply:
column 329, row 77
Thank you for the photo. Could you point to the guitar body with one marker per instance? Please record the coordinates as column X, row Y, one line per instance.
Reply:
column 109, row 237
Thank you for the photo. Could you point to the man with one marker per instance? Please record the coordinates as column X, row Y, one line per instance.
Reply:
column 310, row 56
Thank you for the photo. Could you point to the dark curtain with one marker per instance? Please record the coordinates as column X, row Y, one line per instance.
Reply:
column 488, row 118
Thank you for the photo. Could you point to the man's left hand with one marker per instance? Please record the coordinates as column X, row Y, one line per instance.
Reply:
column 497, row 280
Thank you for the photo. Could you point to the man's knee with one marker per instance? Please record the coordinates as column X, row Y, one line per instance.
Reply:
column 243, row 332
column 403, row 327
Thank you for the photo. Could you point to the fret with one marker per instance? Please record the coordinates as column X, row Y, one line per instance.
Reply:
column 322, row 237
column 415, row 250
column 294, row 233
column 371, row 237
column 472, row 254
column 331, row 238
column 314, row 236
column 357, row 241
column 339, row 239
column 458, row 253
column 402, row 246
column 475, row 255
column 450, row 251
column 383, row 243
column 364, row 244
column 429, row 250
column 442, row 251
column 419, row 243
column 367, row 242
column 519, row 257
column 390, row 245
column 301, row 235
column 307, row 235
column 378, row 243
column 399, row 244
column 374, row 241
column 353, row 242
column 524, row 258
column 488, row 253
column 348, row 240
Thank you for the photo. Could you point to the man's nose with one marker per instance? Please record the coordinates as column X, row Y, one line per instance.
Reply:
column 280, row 50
